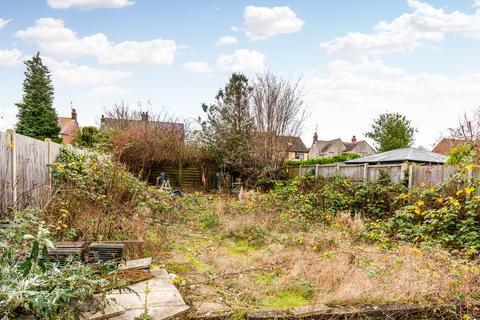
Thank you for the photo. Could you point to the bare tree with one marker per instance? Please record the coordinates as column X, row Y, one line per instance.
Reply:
column 278, row 112
column 468, row 130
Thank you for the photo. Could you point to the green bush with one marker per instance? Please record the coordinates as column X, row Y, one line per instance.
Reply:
column 448, row 215
column 100, row 200
column 326, row 160
column 323, row 197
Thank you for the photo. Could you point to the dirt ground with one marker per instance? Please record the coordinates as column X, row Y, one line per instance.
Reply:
column 239, row 256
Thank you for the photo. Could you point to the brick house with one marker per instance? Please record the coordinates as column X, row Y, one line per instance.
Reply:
column 331, row 148
column 69, row 127
column 446, row 145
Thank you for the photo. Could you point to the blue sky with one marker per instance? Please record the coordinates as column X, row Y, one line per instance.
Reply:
column 355, row 59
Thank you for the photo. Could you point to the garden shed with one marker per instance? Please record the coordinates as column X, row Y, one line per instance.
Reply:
column 400, row 156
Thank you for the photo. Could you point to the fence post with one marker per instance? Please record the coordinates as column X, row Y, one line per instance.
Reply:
column 316, row 171
column 410, row 176
column 338, row 167
column 49, row 162
column 300, row 171
column 13, row 160
column 365, row 172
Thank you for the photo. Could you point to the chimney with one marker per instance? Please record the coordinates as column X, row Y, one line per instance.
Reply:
column 315, row 137
column 354, row 139
column 144, row 116
column 74, row 114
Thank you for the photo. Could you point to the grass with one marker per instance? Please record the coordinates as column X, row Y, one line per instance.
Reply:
column 252, row 255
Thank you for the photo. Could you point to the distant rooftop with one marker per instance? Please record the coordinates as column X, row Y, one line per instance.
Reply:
column 402, row 155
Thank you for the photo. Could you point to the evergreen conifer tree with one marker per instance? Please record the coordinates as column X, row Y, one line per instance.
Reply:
column 36, row 116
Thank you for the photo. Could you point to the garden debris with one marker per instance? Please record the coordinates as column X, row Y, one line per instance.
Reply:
column 105, row 252
column 131, row 276
column 65, row 250
column 138, row 263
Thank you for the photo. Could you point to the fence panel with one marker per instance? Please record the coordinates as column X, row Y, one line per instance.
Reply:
column 327, row 171
column 394, row 171
column 26, row 180
column 33, row 159
column 353, row 172
column 427, row 176
column 420, row 175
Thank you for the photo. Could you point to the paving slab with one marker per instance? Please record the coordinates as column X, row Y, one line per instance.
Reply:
column 163, row 300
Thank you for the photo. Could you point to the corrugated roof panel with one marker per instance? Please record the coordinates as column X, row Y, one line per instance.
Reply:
column 402, row 155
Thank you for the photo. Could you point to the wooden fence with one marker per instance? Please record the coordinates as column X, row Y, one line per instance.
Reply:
column 25, row 170
column 185, row 177
column 418, row 175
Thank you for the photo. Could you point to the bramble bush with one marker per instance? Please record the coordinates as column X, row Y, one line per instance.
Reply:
column 324, row 197
column 101, row 200
column 447, row 215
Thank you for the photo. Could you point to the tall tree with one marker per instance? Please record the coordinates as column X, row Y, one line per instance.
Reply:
column 279, row 114
column 228, row 130
column 36, row 116
column 392, row 131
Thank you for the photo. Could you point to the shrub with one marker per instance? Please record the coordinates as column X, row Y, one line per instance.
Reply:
column 101, row 199
column 444, row 215
column 324, row 160
column 323, row 197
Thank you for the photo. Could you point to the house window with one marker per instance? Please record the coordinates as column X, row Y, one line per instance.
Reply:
column 299, row 155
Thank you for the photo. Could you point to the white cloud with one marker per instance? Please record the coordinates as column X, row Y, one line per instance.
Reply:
column 10, row 58
column 226, row 40
column 408, row 31
column 433, row 102
column 54, row 39
column 108, row 91
column 363, row 65
column 69, row 74
column 242, row 60
column 200, row 67
column 3, row 22
column 262, row 22
column 88, row 4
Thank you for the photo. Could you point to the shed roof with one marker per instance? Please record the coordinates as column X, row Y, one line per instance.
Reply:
column 403, row 155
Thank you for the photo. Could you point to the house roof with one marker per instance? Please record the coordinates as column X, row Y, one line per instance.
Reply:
column 125, row 124
column 68, row 126
column 402, row 155
column 324, row 145
column 295, row 144
column 446, row 144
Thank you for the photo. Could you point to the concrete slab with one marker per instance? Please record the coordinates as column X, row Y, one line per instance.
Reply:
column 162, row 302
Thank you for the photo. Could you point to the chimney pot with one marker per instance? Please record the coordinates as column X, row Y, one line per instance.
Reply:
column 354, row 139
column 74, row 114
column 144, row 116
